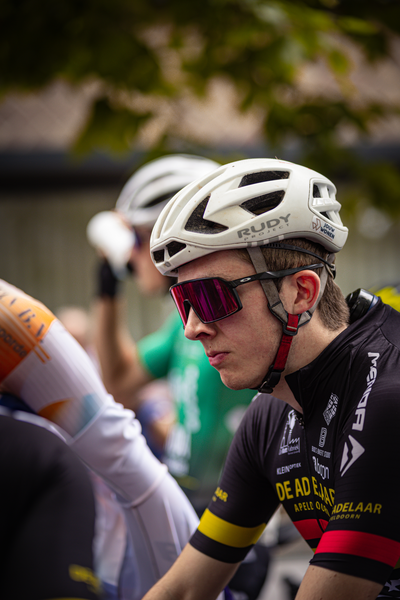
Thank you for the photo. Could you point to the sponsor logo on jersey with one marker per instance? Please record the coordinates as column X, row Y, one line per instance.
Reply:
column 85, row 575
column 287, row 468
column 331, row 409
column 322, row 437
column 321, row 452
column 358, row 425
column 393, row 585
column 289, row 444
column 306, row 493
column 12, row 343
column 220, row 494
column 321, row 469
column 349, row 508
column 25, row 322
column 351, row 452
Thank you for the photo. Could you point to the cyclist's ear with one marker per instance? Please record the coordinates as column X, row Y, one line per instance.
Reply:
column 301, row 291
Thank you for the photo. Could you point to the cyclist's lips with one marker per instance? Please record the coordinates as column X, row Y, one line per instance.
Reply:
column 216, row 358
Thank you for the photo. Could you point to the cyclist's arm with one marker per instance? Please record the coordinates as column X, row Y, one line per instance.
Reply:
column 194, row 576
column 44, row 366
column 122, row 371
column 323, row 584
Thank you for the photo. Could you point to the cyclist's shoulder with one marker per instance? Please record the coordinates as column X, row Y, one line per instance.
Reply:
column 391, row 326
column 377, row 332
column 266, row 404
column 265, row 416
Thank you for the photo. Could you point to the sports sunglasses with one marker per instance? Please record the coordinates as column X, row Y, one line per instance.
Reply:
column 214, row 298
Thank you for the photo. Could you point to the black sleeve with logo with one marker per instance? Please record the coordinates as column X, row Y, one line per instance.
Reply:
column 362, row 537
column 245, row 499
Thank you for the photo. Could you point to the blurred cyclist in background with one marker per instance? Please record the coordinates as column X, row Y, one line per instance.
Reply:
column 44, row 370
column 207, row 413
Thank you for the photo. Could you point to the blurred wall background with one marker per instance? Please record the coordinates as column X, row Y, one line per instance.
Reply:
column 43, row 244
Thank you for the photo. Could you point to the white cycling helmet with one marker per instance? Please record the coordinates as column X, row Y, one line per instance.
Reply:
column 145, row 194
column 244, row 204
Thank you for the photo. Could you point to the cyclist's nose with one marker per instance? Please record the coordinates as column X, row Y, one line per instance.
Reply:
column 195, row 328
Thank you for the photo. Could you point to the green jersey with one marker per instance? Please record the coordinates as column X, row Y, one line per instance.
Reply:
column 207, row 412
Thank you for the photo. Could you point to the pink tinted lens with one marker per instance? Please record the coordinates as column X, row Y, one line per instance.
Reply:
column 211, row 299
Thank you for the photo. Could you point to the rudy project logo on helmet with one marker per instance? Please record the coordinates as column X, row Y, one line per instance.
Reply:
column 265, row 227
column 324, row 228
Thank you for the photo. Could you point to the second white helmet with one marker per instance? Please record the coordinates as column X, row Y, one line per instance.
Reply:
column 148, row 190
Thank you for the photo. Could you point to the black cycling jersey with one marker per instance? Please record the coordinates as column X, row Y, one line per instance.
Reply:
column 334, row 468
column 47, row 514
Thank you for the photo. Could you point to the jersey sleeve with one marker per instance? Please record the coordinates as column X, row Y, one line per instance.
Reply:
column 42, row 364
column 362, row 537
column 244, row 500
column 46, row 367
column 155, row 350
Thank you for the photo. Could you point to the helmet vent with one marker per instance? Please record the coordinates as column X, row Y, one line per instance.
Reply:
column 161, row 198
column 158, row 256
column 325, row 200
column 263, row 176
column 316, row 191
column 262, row 204
column 175, row 247
column 198, row 224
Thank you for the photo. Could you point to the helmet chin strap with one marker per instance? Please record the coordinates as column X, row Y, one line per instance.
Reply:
column 290, row 323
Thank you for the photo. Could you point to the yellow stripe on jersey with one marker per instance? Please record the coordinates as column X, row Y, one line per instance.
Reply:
column 226, row 533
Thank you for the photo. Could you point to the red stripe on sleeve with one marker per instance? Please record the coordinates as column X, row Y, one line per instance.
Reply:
column 311, row 529
column 357, row 543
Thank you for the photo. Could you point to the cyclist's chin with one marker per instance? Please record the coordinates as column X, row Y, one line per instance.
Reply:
column 234, row 380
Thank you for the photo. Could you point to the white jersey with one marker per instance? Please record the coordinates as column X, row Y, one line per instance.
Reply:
column 41, row 363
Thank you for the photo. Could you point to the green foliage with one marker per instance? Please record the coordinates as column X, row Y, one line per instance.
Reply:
column 259, row 46
column 75, row 39
column 381, row 183
column 110, row 128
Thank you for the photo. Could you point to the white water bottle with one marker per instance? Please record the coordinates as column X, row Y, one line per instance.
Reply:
column 113, row 238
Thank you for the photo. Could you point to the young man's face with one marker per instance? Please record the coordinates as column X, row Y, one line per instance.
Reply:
column 241, row 347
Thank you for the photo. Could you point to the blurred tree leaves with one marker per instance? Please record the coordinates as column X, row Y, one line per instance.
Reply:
column 143, row 52
column 111, row 126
